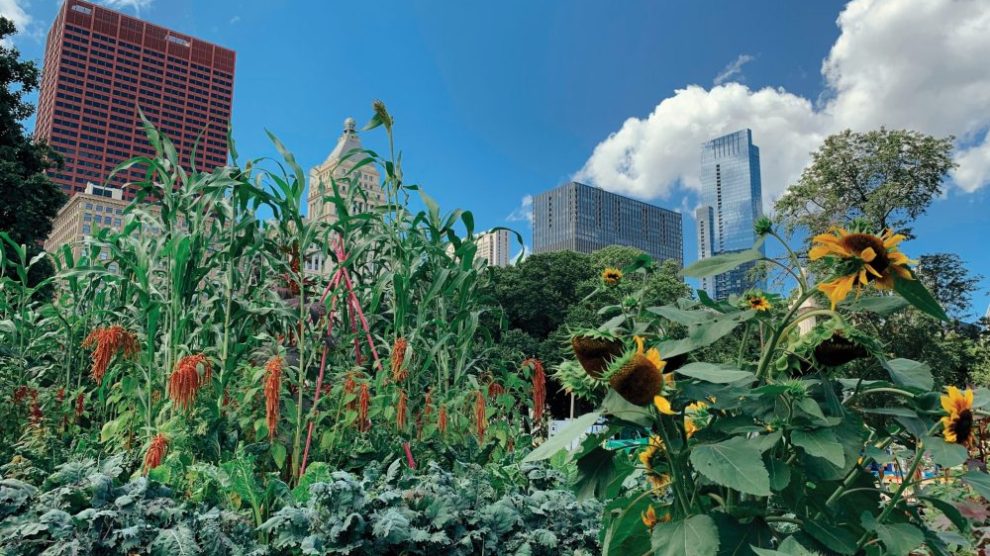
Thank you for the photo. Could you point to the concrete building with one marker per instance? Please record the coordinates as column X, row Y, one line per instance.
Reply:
column 578, row 217
column 101, row 66
column 95, row 207
column 493, row 247
column 731, row 202
column 362, row 187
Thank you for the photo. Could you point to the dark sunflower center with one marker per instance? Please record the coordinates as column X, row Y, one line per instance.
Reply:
column 963, row 426
column 859, row 242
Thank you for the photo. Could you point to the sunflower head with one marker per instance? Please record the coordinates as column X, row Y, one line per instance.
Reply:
column 838, row 350
column 636, row 378
column 758, row 302
column 957, row 425
column 611, row 276
column 595, row 351
column 649, row 517
column 646, row 456
column 695, row 418
column 859, row 259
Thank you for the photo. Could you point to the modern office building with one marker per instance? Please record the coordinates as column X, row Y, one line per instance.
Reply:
column 578, row 217
column 101, row 66
column 731, row 202
column 362, row 187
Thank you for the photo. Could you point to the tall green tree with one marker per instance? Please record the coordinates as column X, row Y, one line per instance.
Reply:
column 28, row 199
column 950, row 282
column 886, row 177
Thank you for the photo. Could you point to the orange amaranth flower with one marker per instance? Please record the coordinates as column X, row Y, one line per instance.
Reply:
column 107, row 342
column 273, row 393
column 539, row 387
column 156, row 452
column 495, row 390
column 363, row 400
column 186, row 379
column 442, row 419
column 480, row 415
column 400, row 410
column 399, row 372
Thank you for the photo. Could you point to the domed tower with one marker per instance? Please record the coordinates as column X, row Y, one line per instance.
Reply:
column 363, row 187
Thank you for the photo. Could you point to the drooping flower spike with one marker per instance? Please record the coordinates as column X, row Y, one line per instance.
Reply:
column 156, row 452
column 108, row 342
column 186, row 379
column 862, row 259
column 273, row 393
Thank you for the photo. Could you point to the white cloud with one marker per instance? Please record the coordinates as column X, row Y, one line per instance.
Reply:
column 524, row 212
column 235, row 19
column 15, row 11
column 733, row 69
column 916, row 64
column 136, row 5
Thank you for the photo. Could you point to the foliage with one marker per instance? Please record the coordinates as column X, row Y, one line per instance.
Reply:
column 28, row 199
column 765, row 450
column 885, row 177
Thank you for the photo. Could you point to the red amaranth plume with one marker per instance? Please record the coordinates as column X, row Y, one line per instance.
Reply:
column 539, row 387
column 400, row 410
column 495, row 390
column 106, row 343
column 156, row 452
column 80, row 404
column 36, row 414
column 442, row 419
column 363, row 400
column 399, row 371
column 186, row 379
column 480, row 415
column 273, row 393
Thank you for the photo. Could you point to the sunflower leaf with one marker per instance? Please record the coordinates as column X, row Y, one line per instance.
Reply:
column 918, row 295
column 724, row 263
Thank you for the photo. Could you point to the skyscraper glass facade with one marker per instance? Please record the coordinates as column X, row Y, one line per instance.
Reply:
column 731, row 202
column 578, row 217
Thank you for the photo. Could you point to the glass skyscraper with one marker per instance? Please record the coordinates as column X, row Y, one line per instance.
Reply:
column 578, row 217
column 731, row 202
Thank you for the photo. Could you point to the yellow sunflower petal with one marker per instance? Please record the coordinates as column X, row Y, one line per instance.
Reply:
column 891, row 240
column 639, row 344
column 838, row 289
column 868, row 254
column 663, row 405
column 653, row 356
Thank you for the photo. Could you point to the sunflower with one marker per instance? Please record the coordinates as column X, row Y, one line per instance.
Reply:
column 694, row 414
column 646, row 456
column 595, row 352
column 759, row 303
column 649, row 517
column 611, row 276
column 958, row 424
column 638, row 376
column 865, row 258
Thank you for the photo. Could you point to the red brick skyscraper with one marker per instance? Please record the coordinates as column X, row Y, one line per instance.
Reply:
column 100, row 65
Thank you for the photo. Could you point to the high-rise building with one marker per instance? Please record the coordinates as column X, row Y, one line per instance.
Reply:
column 362, row 186
column 731, row 202
column 101, row 66
column 578, row 217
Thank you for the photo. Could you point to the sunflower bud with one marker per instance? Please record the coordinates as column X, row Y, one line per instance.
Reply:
column 763, row 226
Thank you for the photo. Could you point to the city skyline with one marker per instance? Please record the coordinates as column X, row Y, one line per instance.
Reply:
column 454, row 88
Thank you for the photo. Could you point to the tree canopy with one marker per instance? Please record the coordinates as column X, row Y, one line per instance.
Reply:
column 885, row 177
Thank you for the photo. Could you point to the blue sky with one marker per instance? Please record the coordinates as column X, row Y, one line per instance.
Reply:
column 496, row 101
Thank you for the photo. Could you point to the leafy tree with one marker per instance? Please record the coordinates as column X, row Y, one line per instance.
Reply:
column 28, row 199
column 946, row 276
column 886, row 177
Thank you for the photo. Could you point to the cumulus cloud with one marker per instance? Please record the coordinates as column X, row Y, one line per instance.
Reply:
column 15, row 11
column 916, row 64
column 524, row 212
column 733, row 70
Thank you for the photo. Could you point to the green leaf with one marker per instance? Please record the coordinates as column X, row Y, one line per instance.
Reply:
column 780, row 475
column 820, row 443
column 723, row 263
column 734, row 463
column 694, row 536
column 950, row 511
column 617, row 406
column 918, row 295
column 910, row 374
column 979, row 481
column 836, row 538
column 900, row 538
column 704, row 334
column 881, row 304
column 564, row 438
column 789, row 547
column 626, row 533
column 278, row 454
column 596, row 471
column 945, row 453
column 718, row 374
